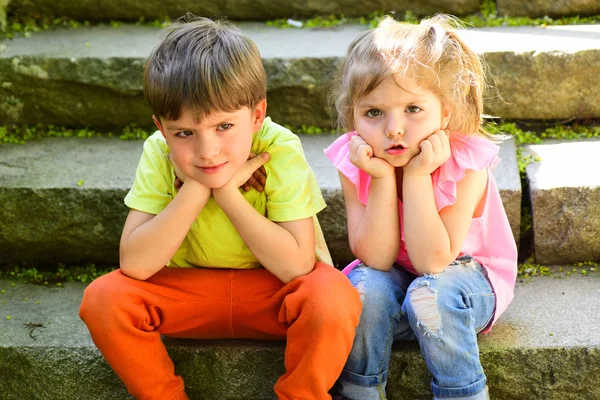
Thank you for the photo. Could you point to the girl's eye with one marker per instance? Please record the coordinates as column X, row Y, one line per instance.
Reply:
column 184, row 133
column 224, row 127
column 373, row 113
column 413, row 109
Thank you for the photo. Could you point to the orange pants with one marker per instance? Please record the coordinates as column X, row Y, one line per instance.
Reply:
column 317, row 313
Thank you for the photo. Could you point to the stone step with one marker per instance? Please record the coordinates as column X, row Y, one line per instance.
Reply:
column 564, row 186
column 260, row 10
column 63, row 198
column 544, row 347
column 93, row 76
column 540, row 8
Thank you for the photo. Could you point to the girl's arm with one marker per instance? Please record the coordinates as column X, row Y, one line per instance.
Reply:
column 374, row 229
column 149, row 241
column 433, row 240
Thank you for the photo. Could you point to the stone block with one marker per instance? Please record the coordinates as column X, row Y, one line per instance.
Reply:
column 551, row 8
column 258, row 10
column 565, row 199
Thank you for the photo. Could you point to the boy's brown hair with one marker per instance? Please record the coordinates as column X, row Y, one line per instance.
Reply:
column 204, row 66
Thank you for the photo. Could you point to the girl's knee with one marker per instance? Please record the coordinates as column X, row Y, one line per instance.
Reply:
column 430, row 298
column 378, row 290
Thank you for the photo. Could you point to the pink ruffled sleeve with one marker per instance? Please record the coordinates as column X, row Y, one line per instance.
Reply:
column 468, row 152
column 339, row 154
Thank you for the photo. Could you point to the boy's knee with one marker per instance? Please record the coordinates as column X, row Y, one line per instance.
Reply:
column 100, row 295
column 333, row 296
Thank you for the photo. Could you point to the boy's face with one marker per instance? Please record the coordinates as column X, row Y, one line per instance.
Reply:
column 212, row 150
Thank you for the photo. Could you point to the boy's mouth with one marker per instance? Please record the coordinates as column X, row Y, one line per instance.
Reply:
column 212, row 169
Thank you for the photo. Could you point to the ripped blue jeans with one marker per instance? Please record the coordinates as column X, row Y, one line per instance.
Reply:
column 444, row 312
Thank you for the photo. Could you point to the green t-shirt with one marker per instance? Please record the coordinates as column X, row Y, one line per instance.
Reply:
column 291, row 193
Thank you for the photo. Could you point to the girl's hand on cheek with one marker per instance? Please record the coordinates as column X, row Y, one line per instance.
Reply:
column 361, row 155
column 435, row 150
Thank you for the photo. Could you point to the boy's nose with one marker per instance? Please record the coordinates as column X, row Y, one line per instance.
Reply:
column 207, row 149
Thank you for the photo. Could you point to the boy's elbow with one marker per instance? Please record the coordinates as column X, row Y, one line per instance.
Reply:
column 305, row 267
column 132, row 271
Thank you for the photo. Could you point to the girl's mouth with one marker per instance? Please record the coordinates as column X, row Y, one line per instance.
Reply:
column 397, row 150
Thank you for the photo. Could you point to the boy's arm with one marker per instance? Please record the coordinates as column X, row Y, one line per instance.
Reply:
column 149, row 241
column 286, row 249
column 374, row 229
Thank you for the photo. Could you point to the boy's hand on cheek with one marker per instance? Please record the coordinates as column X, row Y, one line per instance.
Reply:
column 435, row 150
column 361, row 155
column 180, row 177
column 244, row 174
column 258, row 178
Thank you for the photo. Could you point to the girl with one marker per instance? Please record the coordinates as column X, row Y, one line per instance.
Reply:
column 436, row 257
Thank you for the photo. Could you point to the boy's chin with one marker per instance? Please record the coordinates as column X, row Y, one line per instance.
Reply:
column 214, row 183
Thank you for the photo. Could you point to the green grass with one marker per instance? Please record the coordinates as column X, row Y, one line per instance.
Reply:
column 20, row 134
column 28, row 25
column 487, row 16
column 56, row 275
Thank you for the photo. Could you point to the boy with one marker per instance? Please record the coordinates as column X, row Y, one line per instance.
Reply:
column 207, row 88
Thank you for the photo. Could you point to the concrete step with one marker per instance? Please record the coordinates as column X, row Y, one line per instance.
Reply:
column 93, row 76
column 63, row 198
column 564, row 187
column 541, row 8
column 544, row 347
column 260, row 10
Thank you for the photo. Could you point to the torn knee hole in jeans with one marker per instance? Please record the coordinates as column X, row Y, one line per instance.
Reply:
column 424, row 303
column 360, row 286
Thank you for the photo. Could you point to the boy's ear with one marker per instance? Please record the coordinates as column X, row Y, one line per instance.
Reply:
column 158, row 124
column 260, row 112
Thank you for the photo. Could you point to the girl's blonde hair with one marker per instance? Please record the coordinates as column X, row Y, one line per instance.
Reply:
column 430, row 52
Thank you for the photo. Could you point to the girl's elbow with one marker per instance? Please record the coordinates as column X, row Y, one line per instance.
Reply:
column 433, row 265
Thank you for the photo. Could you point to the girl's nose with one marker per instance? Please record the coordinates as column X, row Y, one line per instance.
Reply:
column 394, row 128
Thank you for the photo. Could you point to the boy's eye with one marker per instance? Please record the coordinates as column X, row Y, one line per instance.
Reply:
column 184, row 133
column 413, row 109
column 224, row 127
column 373, row 113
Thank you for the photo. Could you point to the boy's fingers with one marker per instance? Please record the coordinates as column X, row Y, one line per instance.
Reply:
column 253, row 182
column 258, row 161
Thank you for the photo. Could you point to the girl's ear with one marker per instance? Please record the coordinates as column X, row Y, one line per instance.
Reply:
column 260, row 112
column 446, row 115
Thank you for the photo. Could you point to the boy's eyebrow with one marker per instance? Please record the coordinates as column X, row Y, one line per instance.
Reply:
column 176, row 127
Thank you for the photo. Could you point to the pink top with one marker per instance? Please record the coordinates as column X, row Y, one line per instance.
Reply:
column 490, row 240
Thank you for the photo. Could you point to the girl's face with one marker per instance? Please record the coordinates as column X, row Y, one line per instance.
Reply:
column 397, row 116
